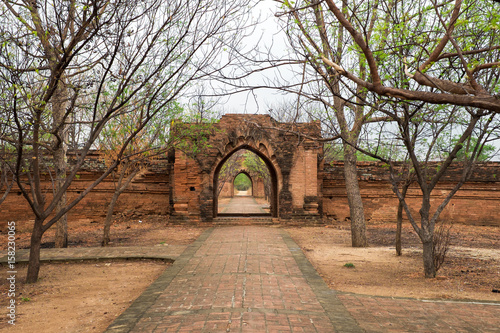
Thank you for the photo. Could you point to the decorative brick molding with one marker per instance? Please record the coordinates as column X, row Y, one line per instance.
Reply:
column 292, row 161
column 306, row 190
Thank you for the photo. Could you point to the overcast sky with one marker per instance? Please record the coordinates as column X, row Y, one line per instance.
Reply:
column 266, row 35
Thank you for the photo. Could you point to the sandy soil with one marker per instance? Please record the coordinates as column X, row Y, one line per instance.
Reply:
column 83, row 297
column 87, row 297
column 471, row 270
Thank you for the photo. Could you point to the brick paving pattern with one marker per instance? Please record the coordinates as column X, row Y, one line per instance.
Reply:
column 241, row 205
column 383, row 314
column 238, row 279
column 256, row 279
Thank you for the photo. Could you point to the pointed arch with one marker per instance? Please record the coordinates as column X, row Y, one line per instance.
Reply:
column 244, row 172
column 272, row 166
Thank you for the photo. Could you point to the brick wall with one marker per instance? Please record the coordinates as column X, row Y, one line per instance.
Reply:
column 147, row 195
column 478, row 202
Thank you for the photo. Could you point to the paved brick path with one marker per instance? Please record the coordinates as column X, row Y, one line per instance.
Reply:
column 384, row 314
column 238, row 279
column 256, row 279
column 241, row 205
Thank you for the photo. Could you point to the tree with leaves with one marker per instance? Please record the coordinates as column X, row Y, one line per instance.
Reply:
column 95, row 61
column 370, row 56
column 448, row 50
column 340, row 107
column 420, row 129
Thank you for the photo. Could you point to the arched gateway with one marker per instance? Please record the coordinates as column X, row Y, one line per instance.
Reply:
column 294, row 163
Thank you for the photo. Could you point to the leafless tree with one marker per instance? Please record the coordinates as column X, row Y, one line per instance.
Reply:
column 92, row 61
column 142, row 151
column 6, row 175
column 421, row 130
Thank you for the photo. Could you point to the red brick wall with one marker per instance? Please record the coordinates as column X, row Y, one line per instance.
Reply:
column 147, row 195
column 478, row 202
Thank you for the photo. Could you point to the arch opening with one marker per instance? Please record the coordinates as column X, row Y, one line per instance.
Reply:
column 242, row 185
column 256, row 177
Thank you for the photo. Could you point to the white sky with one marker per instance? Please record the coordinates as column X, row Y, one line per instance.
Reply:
column 265, row 35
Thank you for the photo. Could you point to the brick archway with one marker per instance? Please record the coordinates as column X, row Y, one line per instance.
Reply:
column 243, row 172
column 258, row 183
column 270, row 166
column 294, row 162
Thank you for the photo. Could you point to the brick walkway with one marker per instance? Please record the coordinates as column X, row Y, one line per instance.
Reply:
column 238, row 279
column 241, row 205
column 256, row 279
column 385, row 314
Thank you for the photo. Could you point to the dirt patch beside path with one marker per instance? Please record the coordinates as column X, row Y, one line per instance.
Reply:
column 78, row 297
column 87, row 297
column 471, row 270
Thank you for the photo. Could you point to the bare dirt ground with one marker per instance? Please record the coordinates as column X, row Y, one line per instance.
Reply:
column 87, row 297
column 78, row 297
column 471, row 269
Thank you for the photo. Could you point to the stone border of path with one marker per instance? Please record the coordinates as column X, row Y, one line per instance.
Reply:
column 167, row 253
column 340, row 318
column 127, row 320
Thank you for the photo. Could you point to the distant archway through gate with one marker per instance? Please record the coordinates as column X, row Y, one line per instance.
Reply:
column 294, row 162
column 273, row 197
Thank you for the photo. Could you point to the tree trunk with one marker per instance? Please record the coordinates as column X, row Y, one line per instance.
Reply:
column 398, row 228
column 62, row 224
column 120, row 187
column 428, row 256
column 109, row 219
column 60, row 160
column 399, row 222
column 358, row 226
column 35, row 245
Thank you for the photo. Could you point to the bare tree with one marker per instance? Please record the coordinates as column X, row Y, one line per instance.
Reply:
column 6, row 175
column 109, row 58
column 420, row 130
column 143, row 150
column 127, row 172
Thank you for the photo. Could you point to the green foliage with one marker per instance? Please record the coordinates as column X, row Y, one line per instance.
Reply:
column 349, row 265
column 242, row 182
column 191, row 137
column 466, row 152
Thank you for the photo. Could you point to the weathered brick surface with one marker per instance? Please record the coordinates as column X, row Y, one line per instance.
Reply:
column 287, row 155
column 257, row 189
column 306, row 191
column 477, row 202
column 147, row 195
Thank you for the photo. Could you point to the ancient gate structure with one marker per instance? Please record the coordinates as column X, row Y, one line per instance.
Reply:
column 293, row 158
